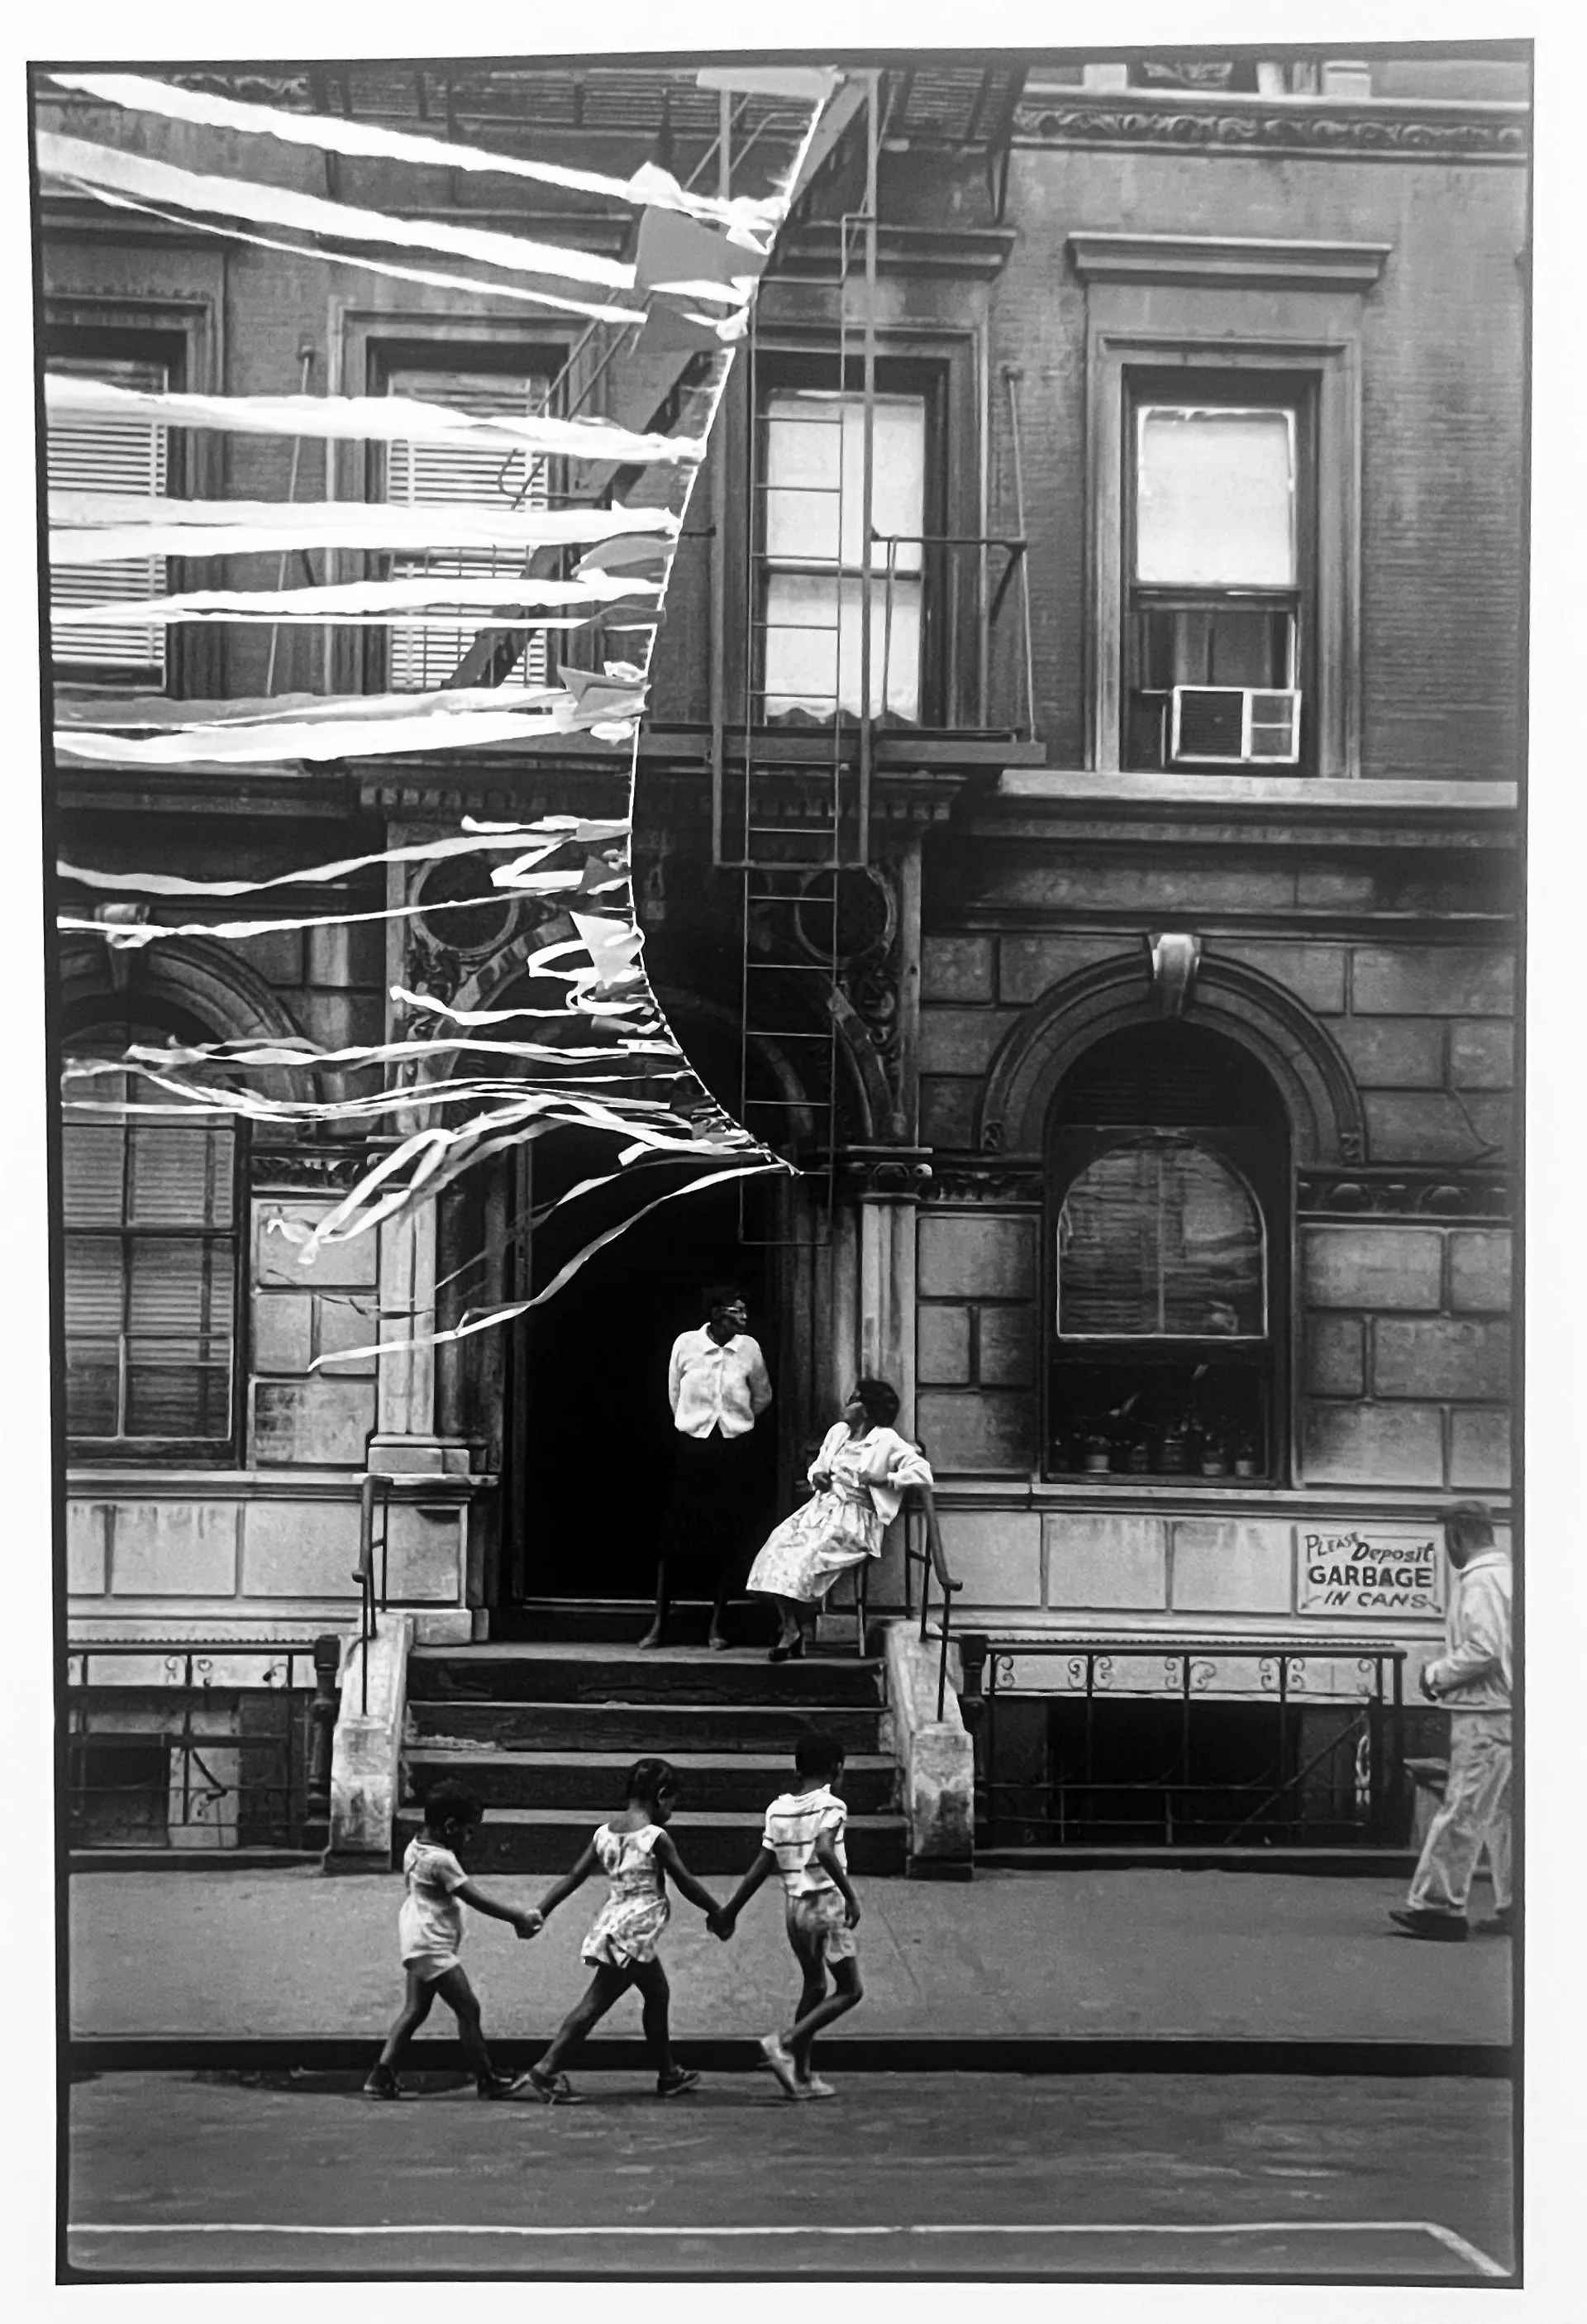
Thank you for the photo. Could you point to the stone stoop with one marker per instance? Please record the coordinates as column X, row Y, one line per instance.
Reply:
column 545, row 1730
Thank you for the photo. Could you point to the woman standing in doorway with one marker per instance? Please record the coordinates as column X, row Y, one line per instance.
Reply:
column 858, row 1474
column 718, row 1387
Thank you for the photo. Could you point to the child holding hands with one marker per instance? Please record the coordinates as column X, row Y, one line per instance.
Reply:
column 430, row 1928
column 637, row 1853
column 803, row 1841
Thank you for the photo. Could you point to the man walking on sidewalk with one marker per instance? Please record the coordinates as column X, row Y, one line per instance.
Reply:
column 1473, row 1678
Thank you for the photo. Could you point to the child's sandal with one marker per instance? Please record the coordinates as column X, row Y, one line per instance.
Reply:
column 555, row 2089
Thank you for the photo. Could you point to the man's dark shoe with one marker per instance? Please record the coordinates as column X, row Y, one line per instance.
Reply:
column 1442, row 1928
column 1500, row 1922
column 383, row 2084
column 501, row 2086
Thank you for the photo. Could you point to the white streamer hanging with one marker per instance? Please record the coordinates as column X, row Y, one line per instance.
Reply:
column 555, row 830
column 649, row 185
column 186, row 190
column 366, row 418
column 507, row 594
column 98, row 528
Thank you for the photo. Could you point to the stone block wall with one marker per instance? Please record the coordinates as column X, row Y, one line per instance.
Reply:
column 1406, row 1354
column 296, row 1415
column 977, row 1344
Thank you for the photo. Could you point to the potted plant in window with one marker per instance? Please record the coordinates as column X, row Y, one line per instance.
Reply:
column 1245, row 1456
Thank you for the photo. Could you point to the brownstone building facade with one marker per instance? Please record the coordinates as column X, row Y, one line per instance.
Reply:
column 1151, row 1059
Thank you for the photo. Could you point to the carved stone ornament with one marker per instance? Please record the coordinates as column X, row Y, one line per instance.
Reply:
column 1321, row 126
column 1386, row 1191
column 888, row 1175
column 971, row 1182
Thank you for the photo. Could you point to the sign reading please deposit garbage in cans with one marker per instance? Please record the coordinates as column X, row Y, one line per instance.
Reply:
column 1373, row 1570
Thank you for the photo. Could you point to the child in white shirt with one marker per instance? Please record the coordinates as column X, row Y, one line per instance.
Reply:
column 430, row 1928
column 803, row 1839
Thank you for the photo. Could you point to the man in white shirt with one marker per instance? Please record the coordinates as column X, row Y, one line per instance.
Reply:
column 717, row 1384
column 1472, row 1677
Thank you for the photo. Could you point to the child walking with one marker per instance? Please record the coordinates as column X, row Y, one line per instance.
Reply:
column 636, row 1852
column 803, row 1841
column 429, row 1927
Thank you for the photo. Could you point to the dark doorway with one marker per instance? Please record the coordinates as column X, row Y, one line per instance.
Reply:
column 597, row 1437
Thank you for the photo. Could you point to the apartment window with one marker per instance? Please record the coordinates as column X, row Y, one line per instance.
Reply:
column 419, row 658
column 101, row 455
column 811, row 584
column 1217, row 564
column 1166, row 1173
column 149, row 1215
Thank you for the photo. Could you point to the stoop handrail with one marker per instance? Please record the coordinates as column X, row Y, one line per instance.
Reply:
column 931, row 1560
column 370, row 1487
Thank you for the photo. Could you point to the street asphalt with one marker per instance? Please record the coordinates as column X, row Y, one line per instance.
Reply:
column 908, row 2175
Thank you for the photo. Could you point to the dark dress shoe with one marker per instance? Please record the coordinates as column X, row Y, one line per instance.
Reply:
column 788, row 1654
column 1500, row 1923
column 1440, row 1928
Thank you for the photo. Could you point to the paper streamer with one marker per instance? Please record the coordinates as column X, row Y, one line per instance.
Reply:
column 432, row 280
column 362, row 141
column 503, row 593
column 140, row 175
column 366, row 419
column 316, row 740
column 555, row 830
column 564, row 1276
column 98, row 528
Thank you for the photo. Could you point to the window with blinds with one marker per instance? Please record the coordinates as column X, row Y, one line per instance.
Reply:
column 101, row 455
column 1159, row 1238
column 149, row 1208
column 433, row 475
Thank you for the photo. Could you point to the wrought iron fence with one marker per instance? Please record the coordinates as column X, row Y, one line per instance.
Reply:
column 923, row 1547
column 223, row 1743
column 1273, row 1760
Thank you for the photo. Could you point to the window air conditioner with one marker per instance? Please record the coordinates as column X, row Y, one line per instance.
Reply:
column 1235, row 726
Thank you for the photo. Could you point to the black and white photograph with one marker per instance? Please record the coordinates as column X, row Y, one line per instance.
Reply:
column 783, row 803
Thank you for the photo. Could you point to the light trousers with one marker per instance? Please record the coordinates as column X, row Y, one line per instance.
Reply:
column 1475, row 1815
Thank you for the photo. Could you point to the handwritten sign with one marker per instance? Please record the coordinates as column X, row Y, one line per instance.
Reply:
column 1377, row 1571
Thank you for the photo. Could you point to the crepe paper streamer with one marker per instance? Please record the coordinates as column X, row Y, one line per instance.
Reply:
column 133, row 936
column 361, row 141
column 319, row 249
column 671, row 328
column 98, row 528
column 673, row 250
column 139, row 174
column 366, row 419
column 645, row 559
column 315, row 740
column 555, row 830
column 564, row 1276
column 299, row 1056
column 430, row 1005
column 800, row 84
column 158, row 715
column 506, row 594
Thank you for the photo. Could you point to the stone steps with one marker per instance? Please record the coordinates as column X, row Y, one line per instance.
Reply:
column 634, row 1728
column 549, row 1840
column 737, row 1782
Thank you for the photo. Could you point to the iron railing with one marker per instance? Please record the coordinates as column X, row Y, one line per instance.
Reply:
column 372, row 1593
column 924, row 1548
column 1299, row 1767
column 242, row 1761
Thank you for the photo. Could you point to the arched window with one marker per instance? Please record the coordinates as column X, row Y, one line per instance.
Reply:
column 150, row 1208
column 1168, row 1164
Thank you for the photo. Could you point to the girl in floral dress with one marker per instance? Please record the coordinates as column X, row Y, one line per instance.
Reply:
column 859, row 1475
column 636, row 1852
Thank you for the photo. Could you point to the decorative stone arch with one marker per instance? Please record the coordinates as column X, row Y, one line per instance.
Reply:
column 187, row 978
column 1260, row 1015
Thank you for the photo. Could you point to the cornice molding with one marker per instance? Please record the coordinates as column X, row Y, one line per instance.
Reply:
column 1373, row 129
column 812, row 250
column 1208, row 261
column 1394, row 1191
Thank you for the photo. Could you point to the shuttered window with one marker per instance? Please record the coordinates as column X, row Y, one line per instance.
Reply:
column 149, row 1208
column 100, row 454
column 435, row 473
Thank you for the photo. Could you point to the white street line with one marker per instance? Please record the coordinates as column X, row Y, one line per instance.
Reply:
column 1480, row 2260
column 1447, row 2236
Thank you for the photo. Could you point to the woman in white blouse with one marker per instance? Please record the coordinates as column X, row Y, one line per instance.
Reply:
column 859, row 1475
column 718, row 1388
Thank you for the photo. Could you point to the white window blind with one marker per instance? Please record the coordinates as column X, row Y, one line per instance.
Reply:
column 434, row 473
column 150, row 1254
column 1215, row 498
column 1159, row 1238
column 815, row 551
column 110, row 456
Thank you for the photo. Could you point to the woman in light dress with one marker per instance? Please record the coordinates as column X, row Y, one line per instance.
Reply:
column 636, row 1852
column 858, row 1474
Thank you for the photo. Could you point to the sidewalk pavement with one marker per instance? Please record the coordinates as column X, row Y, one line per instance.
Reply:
column 1038, row 1955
